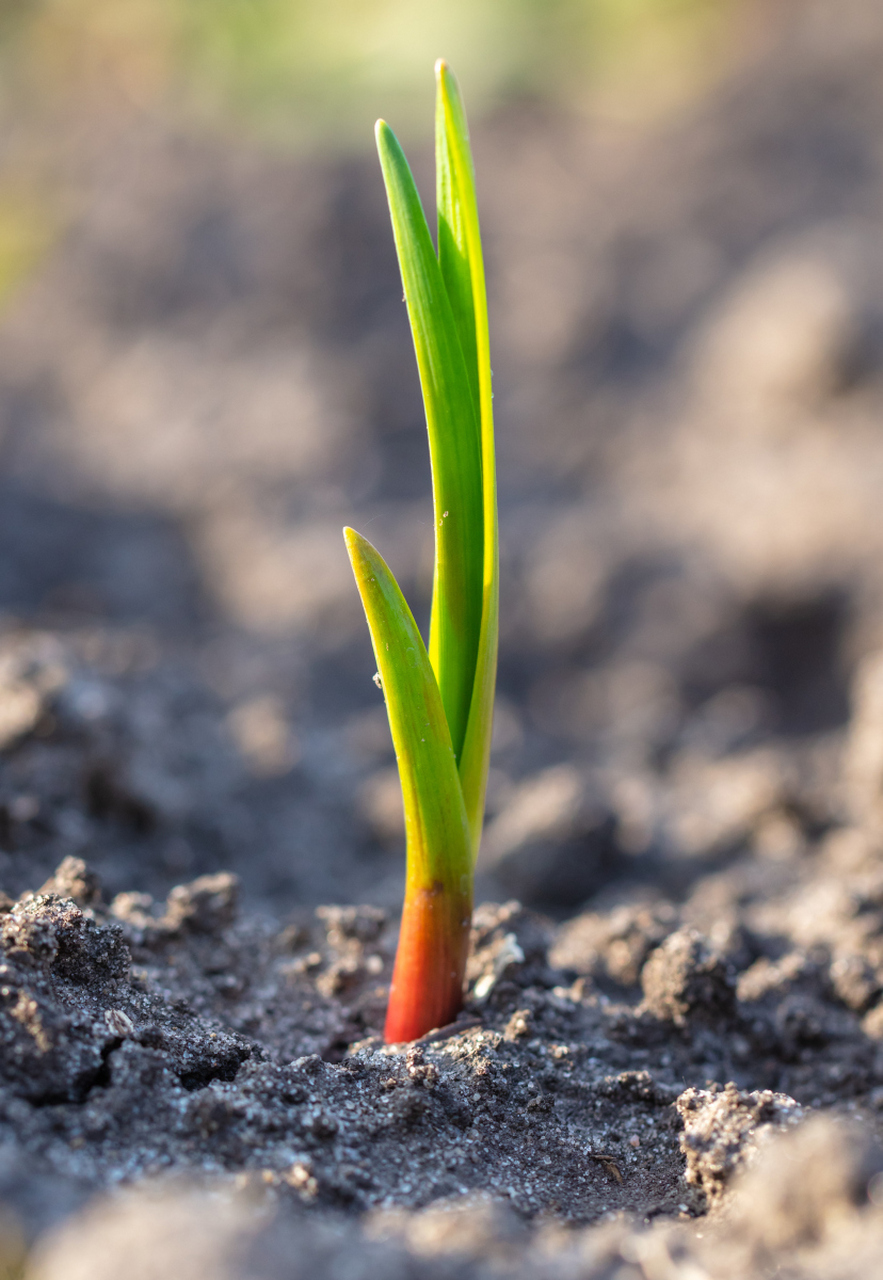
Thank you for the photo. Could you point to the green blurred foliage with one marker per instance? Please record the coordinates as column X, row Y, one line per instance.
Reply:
column 298, row 71
column 298, row 74
column 27, row 230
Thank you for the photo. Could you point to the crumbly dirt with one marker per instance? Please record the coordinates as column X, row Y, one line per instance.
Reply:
column 670, row 1061
column 235, row 1072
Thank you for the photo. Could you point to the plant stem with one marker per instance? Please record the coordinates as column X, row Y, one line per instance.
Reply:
column 427, row 982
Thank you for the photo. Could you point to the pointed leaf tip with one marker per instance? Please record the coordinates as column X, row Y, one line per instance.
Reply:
column 358, row 547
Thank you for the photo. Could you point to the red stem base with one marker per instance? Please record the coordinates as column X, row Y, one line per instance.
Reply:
column 427, row 982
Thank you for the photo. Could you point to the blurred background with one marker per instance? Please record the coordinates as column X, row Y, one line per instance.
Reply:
column 206, row 370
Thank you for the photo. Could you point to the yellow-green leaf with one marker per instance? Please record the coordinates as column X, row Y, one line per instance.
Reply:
column 439, row 846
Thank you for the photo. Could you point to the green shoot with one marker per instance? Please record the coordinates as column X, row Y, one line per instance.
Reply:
column 440, row 703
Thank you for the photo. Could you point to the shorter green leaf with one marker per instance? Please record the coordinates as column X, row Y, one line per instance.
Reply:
column 439, row 846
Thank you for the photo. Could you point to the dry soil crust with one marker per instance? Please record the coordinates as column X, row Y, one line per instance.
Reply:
column 158, row 1042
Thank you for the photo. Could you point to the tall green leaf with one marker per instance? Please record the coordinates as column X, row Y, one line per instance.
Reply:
column 454, row 446
column 462, row 266
column 439, row 844
column 453, row 251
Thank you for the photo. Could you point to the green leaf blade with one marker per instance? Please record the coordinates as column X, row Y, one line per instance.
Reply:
column 454, row 445
column 439, row 845
column 453, row 250
column 463, row 267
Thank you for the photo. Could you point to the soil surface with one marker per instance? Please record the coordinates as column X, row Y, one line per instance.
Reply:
column 670, row 1061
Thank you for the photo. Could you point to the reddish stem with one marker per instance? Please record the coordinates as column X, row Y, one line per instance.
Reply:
column 427, row 982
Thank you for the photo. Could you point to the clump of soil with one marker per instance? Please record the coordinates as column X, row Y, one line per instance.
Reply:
column 185, row 1041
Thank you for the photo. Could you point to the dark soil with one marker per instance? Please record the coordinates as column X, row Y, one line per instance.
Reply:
column 670, row 1062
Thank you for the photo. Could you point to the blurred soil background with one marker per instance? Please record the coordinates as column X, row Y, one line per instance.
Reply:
column 206, row 371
